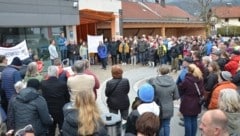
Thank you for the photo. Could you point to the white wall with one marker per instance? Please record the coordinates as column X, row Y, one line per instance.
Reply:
column 105, row 6
column 101, row 5
column 234, row 21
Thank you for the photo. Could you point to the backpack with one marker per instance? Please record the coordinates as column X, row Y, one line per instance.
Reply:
column 161, row 52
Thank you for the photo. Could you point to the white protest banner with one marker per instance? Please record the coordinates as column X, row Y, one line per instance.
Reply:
column 93, row 42
column 20, row 50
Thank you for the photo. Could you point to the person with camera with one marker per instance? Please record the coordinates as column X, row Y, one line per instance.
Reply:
column 191, row 91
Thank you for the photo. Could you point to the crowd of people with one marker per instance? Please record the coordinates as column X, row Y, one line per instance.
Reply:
column 209, row 78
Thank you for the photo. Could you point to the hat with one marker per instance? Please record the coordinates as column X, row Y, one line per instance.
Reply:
column 146, row 93
column 16, row 62
column 226, row 76
column 236, row 52
column 188, row 59
column 34, row 83
column 218, row 53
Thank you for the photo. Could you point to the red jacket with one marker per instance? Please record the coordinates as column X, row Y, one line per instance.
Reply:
column 216, row 92
column 232, row 65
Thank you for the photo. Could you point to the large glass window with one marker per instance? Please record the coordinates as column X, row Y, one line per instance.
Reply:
column 37, row 38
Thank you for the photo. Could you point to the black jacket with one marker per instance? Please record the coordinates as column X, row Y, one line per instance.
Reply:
column 117, row 93
column 56, row 94
column 30, row 107
column 70, row 124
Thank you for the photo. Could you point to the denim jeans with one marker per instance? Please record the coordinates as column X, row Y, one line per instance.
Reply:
column 190, row 123
column 63, row 54
column 165, row 129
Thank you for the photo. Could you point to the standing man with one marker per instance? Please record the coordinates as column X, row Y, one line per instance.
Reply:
column 52, row 51
column 80, row 81
column 56, row 94
column 62, row 43
column 11, row 75
column 113, row 47
column 102, row 53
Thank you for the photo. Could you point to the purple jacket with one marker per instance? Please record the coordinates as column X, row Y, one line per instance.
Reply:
column 189, row 96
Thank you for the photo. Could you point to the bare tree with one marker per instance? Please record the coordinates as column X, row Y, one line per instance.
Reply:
column 205, row 6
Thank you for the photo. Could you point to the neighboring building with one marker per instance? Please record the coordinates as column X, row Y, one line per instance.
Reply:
column 94, row 12
column 151, row 18
column 226, row 16
column 36, row 21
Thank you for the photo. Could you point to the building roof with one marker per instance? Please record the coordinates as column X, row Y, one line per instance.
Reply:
column 227, row 11
column 133, row 10
column 147, row 12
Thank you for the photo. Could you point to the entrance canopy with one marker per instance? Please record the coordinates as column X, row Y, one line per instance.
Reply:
column 88, row 16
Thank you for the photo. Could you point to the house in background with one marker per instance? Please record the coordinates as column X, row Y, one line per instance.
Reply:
column 227, row 19
column 139, row 18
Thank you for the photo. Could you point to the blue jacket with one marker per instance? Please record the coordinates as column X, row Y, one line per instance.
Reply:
column 182, row 75
column 102, row 51
column 10, row 75
column 209, row 47
column 61, row 43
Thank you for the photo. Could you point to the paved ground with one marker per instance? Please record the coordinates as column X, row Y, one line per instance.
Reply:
column 136, row 75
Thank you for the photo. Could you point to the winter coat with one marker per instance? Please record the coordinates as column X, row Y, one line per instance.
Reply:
column 142, row 108
column 70, row 124
column 142, row 46
column 10, row 76
column 222, row 62
column 151, row 53
column 113, row 47
column 232, row 65
column 117, row 98
column 217, row 89
column 123, row 48
column 30, row 107
column 80, row 82
column 166, row 92
column 174, row 52
column 211, row 81
column 102, row 51
column 97, row 83
column 71, row 51
column 189, row 96
column 233, row 123
column 56, row 94
column 236, row 79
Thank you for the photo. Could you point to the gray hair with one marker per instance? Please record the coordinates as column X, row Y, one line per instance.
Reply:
column 207, row 59
column 19, row 86
column 32, row 69
column 229, row 100
column 79, row 66
column 52, row 71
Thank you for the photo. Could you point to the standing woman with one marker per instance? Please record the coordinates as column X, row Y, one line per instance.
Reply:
column 83, row 51
column 211, row 81
column 117, row 93
column 32, row 73
column 82, row 117
column 190, row 107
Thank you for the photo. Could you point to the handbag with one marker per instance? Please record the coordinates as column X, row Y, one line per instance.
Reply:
column 201, row 98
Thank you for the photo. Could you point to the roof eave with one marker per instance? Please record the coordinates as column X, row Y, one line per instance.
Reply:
column 159, row 21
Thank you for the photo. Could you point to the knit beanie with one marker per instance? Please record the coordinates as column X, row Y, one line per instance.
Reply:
column 226, row 76
column 146, row 93
column 16, row 61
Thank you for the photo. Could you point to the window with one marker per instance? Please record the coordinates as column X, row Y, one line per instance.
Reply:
column 226, row 19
